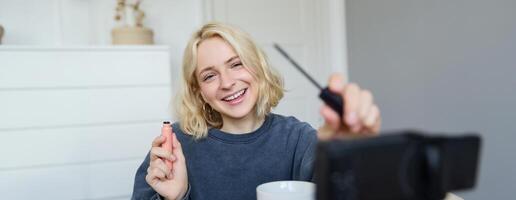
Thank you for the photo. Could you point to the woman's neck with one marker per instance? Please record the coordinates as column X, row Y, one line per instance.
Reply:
column 243, row 125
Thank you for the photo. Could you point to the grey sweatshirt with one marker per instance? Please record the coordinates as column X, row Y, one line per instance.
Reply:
column 226, row 166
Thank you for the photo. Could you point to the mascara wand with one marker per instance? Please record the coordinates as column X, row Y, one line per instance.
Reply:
column 330, row 98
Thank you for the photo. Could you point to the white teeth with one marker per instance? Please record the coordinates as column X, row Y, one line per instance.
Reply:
column 236, row 95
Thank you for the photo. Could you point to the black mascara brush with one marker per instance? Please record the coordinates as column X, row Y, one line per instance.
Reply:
column 331, row 99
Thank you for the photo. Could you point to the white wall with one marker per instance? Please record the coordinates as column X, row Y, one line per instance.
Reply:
column 89, row 22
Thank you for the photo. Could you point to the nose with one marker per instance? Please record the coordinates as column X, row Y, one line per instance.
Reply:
column 226, row 80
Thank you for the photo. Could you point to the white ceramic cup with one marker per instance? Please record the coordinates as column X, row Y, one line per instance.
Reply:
column 286, row 190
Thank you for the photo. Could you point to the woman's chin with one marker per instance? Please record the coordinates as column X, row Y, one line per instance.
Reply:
column 238, row 114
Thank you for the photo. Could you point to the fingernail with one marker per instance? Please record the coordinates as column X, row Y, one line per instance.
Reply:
column 351, row 119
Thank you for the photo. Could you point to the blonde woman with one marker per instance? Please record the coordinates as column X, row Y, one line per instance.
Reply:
column 227, row 141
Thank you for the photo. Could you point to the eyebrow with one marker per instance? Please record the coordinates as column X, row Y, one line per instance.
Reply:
column 227, row 62
column 231, row 59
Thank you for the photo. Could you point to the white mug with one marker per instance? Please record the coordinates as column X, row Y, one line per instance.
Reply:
column 286, row 190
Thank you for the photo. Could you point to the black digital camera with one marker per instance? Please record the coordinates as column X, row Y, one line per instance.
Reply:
column 407, row 165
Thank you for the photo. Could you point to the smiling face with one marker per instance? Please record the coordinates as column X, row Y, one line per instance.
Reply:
column 225, row 84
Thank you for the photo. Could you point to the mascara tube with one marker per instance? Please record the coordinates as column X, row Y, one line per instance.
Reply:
column 166, row 131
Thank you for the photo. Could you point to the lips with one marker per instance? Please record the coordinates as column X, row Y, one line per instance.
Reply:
column 234, row 96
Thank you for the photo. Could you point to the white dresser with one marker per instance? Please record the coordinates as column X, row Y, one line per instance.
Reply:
column 76, row 122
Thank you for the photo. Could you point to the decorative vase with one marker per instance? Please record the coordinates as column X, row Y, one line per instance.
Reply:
column 132, row 35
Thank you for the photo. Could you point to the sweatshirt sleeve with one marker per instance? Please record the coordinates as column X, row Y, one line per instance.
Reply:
column 305, row 153
column 142, row 190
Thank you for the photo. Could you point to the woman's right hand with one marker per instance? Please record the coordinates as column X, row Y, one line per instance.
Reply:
column 169, row 183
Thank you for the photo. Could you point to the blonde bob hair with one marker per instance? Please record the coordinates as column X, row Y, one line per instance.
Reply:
column 195, row 115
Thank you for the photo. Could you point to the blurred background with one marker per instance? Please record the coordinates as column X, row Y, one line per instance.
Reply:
column 78, row 114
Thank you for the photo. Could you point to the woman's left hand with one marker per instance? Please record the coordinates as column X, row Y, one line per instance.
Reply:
column 361, row 116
